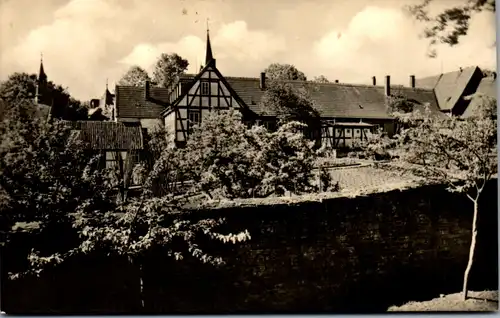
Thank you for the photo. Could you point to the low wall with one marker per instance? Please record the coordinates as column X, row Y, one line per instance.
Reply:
column 358, row 254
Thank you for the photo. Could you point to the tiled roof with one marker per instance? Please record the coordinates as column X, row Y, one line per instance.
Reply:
column 103, row 135
column 449, row 87
column 130, row 102
column 487, row 87
column 337, row 100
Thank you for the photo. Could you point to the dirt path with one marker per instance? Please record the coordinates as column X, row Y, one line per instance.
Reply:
column 478, row 301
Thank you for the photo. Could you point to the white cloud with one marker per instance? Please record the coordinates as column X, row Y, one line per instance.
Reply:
column 232, row 44
column 384, row 41
column 74, row 46
column 86, row 41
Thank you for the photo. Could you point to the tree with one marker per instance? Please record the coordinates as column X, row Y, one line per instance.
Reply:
column 276, row 71
column 20, row 88
column 290, row 103
column 461, row 153
column 289, row 161
column 168, row 67
column 228, row 160
column 321, row 79
column 42, row 178
column 451, row 24
column 135, row 76
column 42, row 167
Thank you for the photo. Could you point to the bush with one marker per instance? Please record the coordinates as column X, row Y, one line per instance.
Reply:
column 228, row 160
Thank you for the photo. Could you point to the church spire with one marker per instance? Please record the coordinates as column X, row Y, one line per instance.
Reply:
column 208, row 56
column 42, row 77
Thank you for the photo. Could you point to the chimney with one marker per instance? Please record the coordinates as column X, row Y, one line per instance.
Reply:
column 263, row 80
column 412, row 81
column 374, row 80
column 337, row 81
column 387, row 85
column 146, row 91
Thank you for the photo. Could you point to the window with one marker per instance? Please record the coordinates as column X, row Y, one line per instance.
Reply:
column 112, row 158
column 194, row 118
column 205, row 88
column 357, row 131
column 348, row 131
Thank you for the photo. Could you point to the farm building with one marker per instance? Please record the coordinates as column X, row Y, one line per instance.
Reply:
column 347, row 111
column 451, row 88
column 112, row 139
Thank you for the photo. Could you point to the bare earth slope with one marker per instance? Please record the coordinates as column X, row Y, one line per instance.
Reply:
column 478, row 301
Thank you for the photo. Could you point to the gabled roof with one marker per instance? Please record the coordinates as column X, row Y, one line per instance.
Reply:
column 336, row 100
column 449, row 87
column 487, row 87
column 130, row 102
column 192, row 80
column 108, row 135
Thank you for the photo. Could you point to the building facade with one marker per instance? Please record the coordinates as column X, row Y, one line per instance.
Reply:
column 348, row 111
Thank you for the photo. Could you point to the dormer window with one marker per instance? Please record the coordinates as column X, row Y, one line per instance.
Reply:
column 205, row 88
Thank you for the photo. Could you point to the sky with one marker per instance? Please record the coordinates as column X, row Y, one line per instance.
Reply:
column 88, row 42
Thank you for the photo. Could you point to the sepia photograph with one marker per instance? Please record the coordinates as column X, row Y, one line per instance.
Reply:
column 213, row 157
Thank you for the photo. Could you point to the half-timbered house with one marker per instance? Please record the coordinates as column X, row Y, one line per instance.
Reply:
column 193, row 97
column 347, row 111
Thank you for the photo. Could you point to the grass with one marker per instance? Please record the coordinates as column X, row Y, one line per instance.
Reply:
column 478, row 301
column 359, row 178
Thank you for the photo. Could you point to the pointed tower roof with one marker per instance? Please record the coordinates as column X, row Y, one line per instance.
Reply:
column 208, row 56
column 42, row 77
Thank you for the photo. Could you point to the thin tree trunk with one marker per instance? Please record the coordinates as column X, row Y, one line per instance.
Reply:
column 141, row 286
column 141, row 282
column 471, row 251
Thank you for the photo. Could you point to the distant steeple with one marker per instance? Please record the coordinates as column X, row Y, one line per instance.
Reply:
column 42, row 77
column 41, row 84
column 208, row 56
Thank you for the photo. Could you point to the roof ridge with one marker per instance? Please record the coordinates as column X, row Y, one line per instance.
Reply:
column 333, row 84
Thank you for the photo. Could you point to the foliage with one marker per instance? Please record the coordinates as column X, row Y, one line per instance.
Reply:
column 167, row 68
column 19, row 88
column 488, row 73
column 453, row 149
column 400, row 104
column 283, row 72
column 321, row 79
column 45, row 176
column 376, row 146
column 459, row 152
column 42, row 168
column 162, row 155
column 135, row 76
column 289, row 103
column 289, row 160
column 228, row 160
column 449, row 25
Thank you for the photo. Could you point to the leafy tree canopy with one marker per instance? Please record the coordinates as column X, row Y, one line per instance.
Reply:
column 167, row 68
column 228, row 160
column 452, row 23
column 289, row 102
column 459, row 152
column 20, row 88
column 321, row 79
column 277, row 71
column 135, row 76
